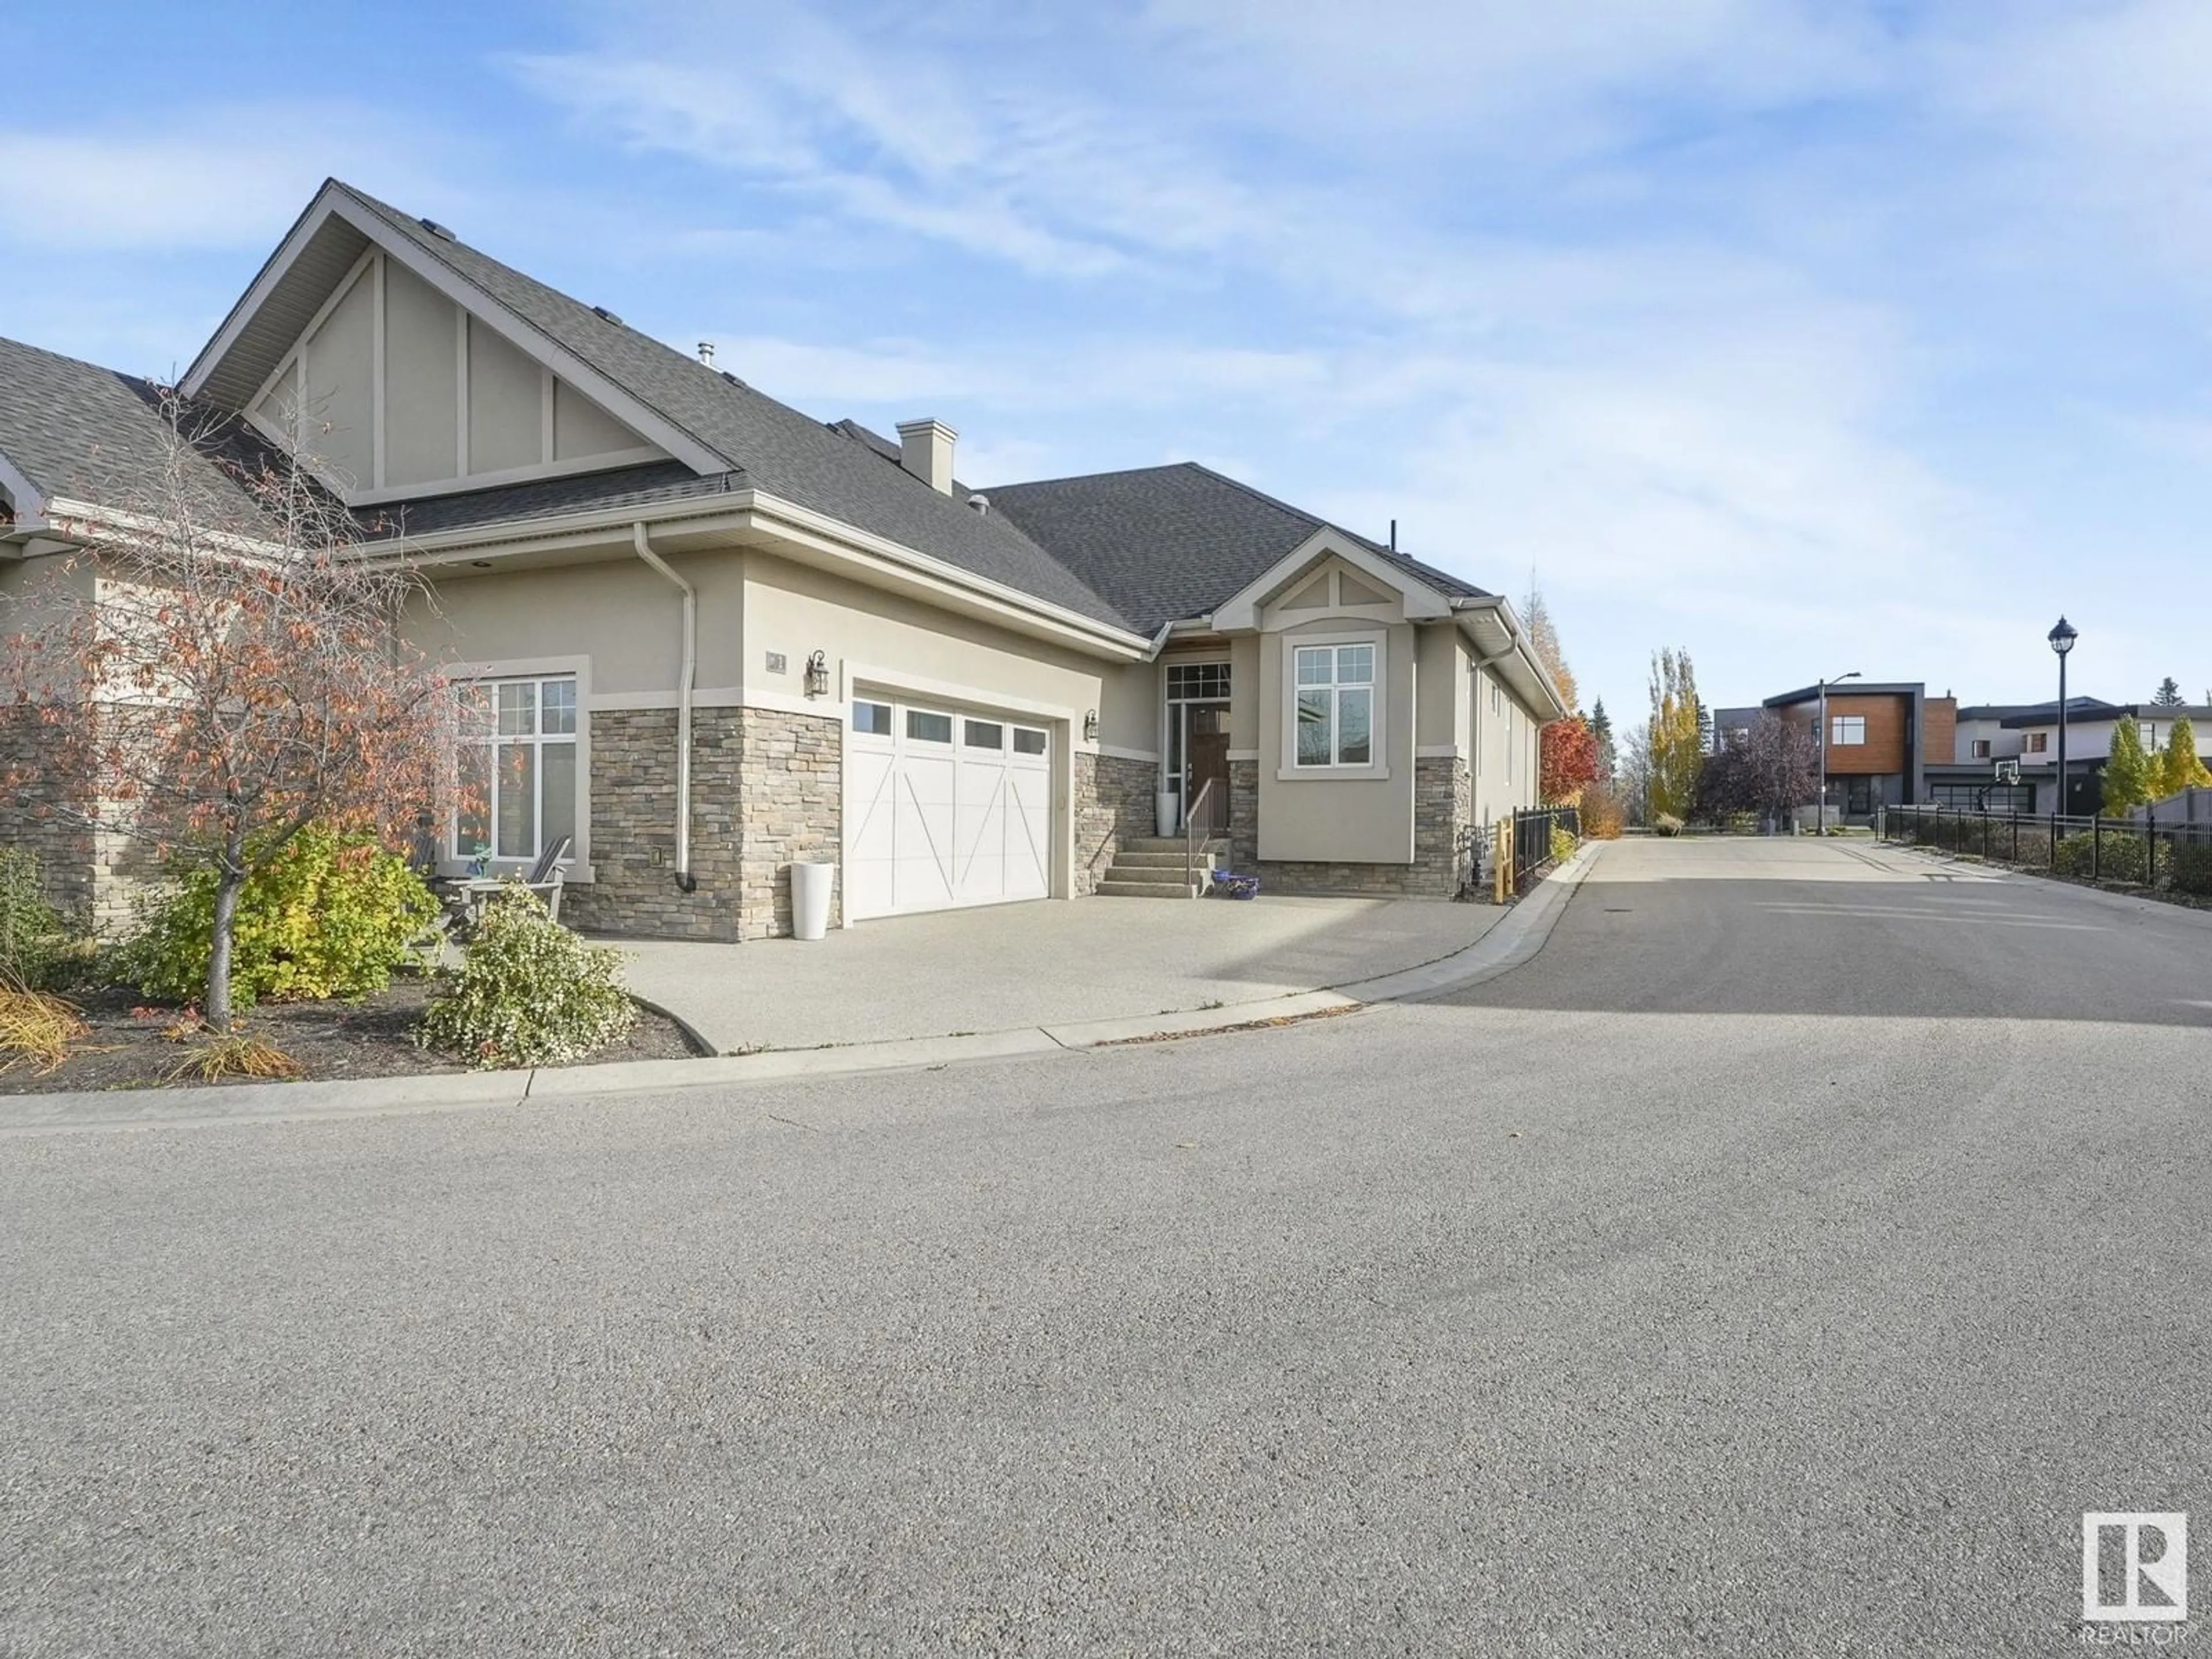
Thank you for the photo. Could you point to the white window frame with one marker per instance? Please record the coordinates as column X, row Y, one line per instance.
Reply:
column 574, row 739
column 2148, row 731
column 1378, row 690
column 1839, row 729
column 2035, row 743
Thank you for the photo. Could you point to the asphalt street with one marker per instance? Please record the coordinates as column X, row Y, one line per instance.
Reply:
column 1781, row 1262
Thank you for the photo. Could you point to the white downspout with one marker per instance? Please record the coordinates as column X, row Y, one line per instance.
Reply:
column 686, row 673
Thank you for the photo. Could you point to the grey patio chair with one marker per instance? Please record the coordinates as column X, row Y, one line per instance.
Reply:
column 546, row 876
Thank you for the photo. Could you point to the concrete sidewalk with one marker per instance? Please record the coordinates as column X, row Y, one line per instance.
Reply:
column 1010, row 966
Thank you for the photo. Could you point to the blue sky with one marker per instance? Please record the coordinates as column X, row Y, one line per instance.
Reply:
column 1808, row 337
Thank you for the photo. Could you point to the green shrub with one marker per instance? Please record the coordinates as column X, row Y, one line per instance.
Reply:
column 1562, row 843
column 31, row 933
column 2116, row 855
column 1666, row 824
column 529, row 992
column 332, row 915
column 2189, row 866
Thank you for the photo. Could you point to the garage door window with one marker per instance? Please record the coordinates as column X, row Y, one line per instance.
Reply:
column 923, row 728
column 1027, row 742
column 983, row 734
column 873, row 718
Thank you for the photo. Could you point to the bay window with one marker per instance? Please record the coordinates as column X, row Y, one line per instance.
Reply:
column 518, row 766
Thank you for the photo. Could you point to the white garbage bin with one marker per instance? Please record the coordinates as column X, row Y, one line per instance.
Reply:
column 812, row 884
column 1169, row 811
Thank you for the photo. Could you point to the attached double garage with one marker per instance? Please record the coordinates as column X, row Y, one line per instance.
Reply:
column 946, row 805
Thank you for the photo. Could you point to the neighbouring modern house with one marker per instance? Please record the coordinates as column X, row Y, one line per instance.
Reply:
column 958, row 697
column 1881, row 740
column 2032, row 734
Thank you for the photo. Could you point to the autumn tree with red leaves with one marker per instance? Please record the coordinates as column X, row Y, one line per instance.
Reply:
column 1569, row 758
column 218, row 663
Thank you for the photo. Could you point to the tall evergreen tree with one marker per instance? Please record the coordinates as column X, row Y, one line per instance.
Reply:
column 1543, row 639
column 2168, row 695
column 2178, row 767
column 2131, row 774
column 1600, row 725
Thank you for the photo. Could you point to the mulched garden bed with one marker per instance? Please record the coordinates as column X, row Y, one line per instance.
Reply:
column 371, row 1038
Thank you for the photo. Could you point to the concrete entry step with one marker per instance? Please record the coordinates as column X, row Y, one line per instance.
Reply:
column 1115, row 886
column 1172, row 844
column 1127, row 859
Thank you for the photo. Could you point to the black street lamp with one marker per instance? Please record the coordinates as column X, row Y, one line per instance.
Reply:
column 2062, row 640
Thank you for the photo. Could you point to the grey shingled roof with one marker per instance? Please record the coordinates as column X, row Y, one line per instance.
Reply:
column 778, row 449
column 644, row 485
column 77, row 430
column 1167, row 542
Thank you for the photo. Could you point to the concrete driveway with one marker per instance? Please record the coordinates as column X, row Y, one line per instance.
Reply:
column 1055, row 961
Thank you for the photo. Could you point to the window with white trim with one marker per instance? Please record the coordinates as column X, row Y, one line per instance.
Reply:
column 1336, row 687
column 1846, row 731
column 1981, row 749
column 2037, row 743
column 517, row 767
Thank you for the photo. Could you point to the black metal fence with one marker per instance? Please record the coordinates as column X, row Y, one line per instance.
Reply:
column 2134, row 851
column 1529, row 835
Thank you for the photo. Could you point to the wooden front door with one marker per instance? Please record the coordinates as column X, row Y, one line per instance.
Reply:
column 1206, row 757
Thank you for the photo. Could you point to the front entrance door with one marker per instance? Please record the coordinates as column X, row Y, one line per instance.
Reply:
column 1205, row 759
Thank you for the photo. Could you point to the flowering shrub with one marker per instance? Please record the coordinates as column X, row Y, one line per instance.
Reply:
column 331, row 915
column 529, row 992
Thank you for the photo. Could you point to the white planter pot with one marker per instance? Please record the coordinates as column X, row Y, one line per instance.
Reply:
column 1170, row 810
column 810, row 888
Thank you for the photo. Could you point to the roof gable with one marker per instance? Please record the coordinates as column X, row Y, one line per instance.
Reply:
column 1165, row 544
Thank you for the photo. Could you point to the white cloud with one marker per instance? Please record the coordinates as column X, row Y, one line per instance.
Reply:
column 228, row 176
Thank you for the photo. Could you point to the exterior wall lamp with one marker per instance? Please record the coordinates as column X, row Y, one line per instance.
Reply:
column 1091, row 726
column 817, row 676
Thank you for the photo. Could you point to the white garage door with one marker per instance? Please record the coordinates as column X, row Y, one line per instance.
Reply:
column 946, row 808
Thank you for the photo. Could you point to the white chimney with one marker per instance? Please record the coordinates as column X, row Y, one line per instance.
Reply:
column 926, row 450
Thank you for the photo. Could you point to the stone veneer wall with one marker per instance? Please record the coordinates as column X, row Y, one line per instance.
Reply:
column 791, row 806
column 633, row 784
column 91, row 875
column 767, row 787
column 1114, row 803
column 1443, row 832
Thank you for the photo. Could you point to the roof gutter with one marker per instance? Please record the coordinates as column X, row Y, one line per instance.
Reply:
column 849, row 544
column 686, row 677
column 1516, row 644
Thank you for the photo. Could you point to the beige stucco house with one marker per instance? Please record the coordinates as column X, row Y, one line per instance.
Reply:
column 721, row 635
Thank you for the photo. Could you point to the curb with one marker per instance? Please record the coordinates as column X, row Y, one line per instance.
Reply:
column 1512, row 942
